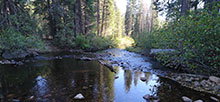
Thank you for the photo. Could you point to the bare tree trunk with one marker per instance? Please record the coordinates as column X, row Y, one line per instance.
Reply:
column 74, row 10
column 80, row 16
column 103, row 16
column 52, row 23
column 85, row 18
column 98, row 17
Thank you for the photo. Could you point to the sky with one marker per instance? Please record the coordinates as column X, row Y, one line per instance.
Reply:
column 121, row 5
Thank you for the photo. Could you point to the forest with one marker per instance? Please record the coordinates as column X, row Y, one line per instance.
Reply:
column 190, row 27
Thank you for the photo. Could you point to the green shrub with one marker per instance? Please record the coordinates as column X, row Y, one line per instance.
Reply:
column 100, row 42
column 82, row 42
column 196, row 39
column 65, row 36
column 11, row 39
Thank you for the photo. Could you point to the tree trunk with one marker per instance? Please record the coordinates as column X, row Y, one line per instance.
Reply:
column 184, row 7
column 85, row 18
column 52, row 22
column 74, row 10
column 98, row 17
column 103, row 16
column 80, row 16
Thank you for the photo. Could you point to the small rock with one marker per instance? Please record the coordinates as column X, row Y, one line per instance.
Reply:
column 198, row 101
column 85, row 87
column 178, row 78
column 214, row 99
column 197, row 79
column 186, row 99
column 147, row 97
column 10, row 95
column 15, row 100
column 116, row 77
column 188, row 79
column 196, row 83
column 79, row 96
column 214, row 79
column 143, row 79
column 203, row 82
column 30, row 98
column 90, row 85
column 158, row 100
column 152, row 98
column 47, row 96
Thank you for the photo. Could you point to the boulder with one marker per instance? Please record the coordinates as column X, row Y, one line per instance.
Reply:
column 79, row 96
column 186, row 99
column 214, row 79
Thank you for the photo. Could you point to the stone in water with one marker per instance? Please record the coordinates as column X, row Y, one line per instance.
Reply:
column 79, row 96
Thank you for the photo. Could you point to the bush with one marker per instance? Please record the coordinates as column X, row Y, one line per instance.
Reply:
column 82, row 42
column 65, row 36
column 11, row 39
column 100, row 43
column 196, row 39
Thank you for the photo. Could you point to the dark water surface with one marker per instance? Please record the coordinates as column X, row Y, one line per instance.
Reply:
column 59, row 80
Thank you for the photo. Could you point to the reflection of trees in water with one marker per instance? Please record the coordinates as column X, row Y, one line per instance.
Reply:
column 106, row 85
column 136, row 77
column 64, row 79
column 128, row 79
column 138, row 74
column 147, row 76
column 18, row 80
column 91, row 79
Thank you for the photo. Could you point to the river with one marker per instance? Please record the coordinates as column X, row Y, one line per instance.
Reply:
column 44, row 79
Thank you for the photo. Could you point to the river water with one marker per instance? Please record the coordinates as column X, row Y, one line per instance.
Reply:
column 60, row 80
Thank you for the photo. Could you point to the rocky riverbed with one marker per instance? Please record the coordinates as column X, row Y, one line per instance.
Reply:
column 132, row 61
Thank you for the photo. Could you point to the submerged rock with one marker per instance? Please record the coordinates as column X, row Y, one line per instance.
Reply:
column 186, row 99
column 79, row 96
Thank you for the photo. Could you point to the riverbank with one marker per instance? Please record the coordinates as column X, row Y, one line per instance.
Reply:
column 132, row 61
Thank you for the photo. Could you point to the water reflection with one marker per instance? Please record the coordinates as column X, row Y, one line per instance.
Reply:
column 61, row 80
